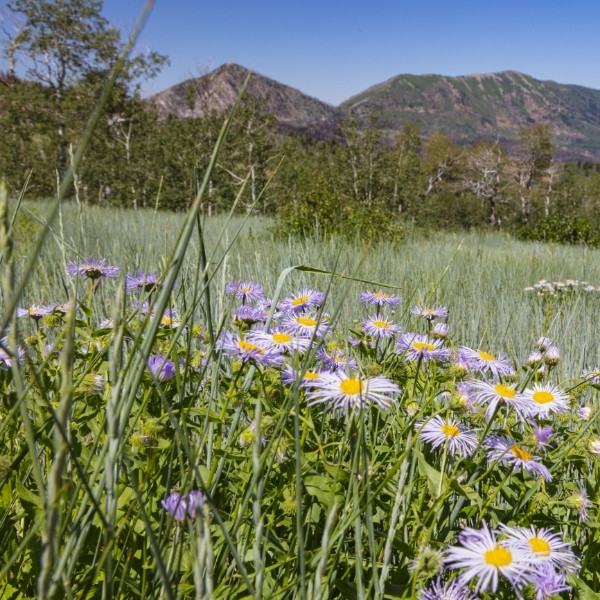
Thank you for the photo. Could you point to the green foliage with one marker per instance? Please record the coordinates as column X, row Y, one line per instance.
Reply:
column 562, row 229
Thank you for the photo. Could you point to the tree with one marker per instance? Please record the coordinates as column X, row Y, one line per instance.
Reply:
column 65, row 42
column 536, row 150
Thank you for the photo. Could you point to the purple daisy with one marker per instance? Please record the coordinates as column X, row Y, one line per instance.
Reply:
column 430, row 314
column 181, row 505
column 379, row 327
column 379, row 298
column 416, row 347
column 142, row 282
column 161, row 367
column 506, row 450
column 35, row 312
column 484, row 362
column 241, row 348
column 336, row 360
column 250, row 314
column 306, row 300
column 245, row 290
column 93, row 269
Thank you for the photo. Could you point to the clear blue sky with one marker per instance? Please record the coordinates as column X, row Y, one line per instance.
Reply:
column 333, row 49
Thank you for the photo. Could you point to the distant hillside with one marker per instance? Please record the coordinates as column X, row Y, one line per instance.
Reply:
column 467, row 109
column 218, row 90
column 486, row 107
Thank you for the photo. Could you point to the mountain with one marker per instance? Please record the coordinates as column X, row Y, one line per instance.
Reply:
column 467, row 109
column 218, row 90
column 486, row 107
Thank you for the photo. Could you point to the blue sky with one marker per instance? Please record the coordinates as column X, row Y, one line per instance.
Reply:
column 333, row 49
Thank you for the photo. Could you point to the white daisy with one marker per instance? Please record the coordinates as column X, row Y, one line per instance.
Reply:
column 545, row 398
column 438, row 431
column 498, row 394
column 485, row 557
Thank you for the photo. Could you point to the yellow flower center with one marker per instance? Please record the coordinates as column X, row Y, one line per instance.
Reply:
column 380, row 295
column 245, row 289
column 351, row 387
column 248, row 347
column 306, row 321
column 485, row 356
column 382, row 324
column 520, row 453
column 300, row 300
column 281, row 338
column 539, row 546
column 423, row 346
column 504, row 391
column 339, row 358
column 498, row 557
column 543, row 397
column 309, row 375
column 450, row 430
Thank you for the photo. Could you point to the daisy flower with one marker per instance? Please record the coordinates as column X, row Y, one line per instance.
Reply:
column 451, row 590
column 306, row 324
column 420, row 347
column 92, row 269
column 250, row 314
column 542, row 435
column 440, row 330
column 335, row 360
column 483, row 362
column 543, row 343
column 278, row 340
column 542, row 546
column 584, row 413
column 594, row 446
column 307, row 378
column 142, row 282
column 245, row 290
column 485, row 557
column 507, row 451
column 380, row 327
column 581, row 502
column 552, row 356
column 591, row 375
column 546, row 398
column 161, row 367
column 379, row 298
column 6, row 358
column 495, row 394
column 548, row 582
column 341, row 391
column 430, row 314
column 438, row 432
column 35, row 312
column 245, row 350
column 181, row 505
column 306, row 300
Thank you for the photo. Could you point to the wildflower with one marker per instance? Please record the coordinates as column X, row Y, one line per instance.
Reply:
column 496, row 394
column 581, row 502
column 6, row 358
column 591, row 375
column 485, row 557
column 341, row 391
column 420, row 347
column 594, row 446
column 534, row 359
column 552, row 356
column 542, row 435
column 542, row 546
column 250, row 314
column 181, row 505
column 93, row 269
column 428, row 562
column 142, row 282
column 506, row 450
column 584, row 413
column 306, row 324
column 545, row 399
column 278, row 340
column 438, row 432
column 306, row 300
column 169, row 319
column 245, row 290
column 335, row 360
column 440, row 331
column 93, row 383
column 483, row 362
column 379, row 298
column 430, row 314
column 543, row 344
column 451, row 590
column 547, row 582
column 35, row 311
column 307, row 378
column 380, row 327
column 245, row 350
column 161, row 367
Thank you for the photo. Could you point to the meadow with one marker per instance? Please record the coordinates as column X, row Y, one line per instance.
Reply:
column 196, row 407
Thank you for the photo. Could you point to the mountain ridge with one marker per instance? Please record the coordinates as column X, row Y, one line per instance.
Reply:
column 467, row 108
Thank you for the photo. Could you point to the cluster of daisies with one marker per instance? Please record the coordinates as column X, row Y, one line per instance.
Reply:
column 554, row 288
column 519, row 557
column 296, row 337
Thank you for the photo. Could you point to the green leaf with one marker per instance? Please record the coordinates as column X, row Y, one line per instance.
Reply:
column 467, row 492
column 324, row 489
column 584, row 591
column 432, row 474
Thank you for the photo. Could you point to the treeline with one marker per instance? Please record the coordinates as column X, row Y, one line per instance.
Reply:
column 362, row 183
